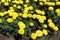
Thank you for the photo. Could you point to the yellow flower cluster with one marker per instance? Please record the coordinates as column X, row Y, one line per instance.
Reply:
column 9, row 20
column 40, row 12
column 13, row 14
column 47, row 2
column 42, row 18
column 39, row 33
column 5, row 2
column 29, row 11
column 41, row 2
column 20, row 1
column 22, row 26
column 3, row 13
column 58, row 12
column 52, row 25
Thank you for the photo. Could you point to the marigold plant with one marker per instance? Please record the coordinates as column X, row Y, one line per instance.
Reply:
column 33, row 19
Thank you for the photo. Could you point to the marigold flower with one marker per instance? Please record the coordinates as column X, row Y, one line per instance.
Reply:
column 21, row 25
column 29, row 15
column 39, row 33
column 56, row 28
column 33, row 35
column 44, row 25
column 45, row 32
column 9, row 20
column 21, row 31
column 24, row 15
column 40, row 3
column 6, row 3
column 50, row 8
column 3, row 1
column 34, row 16
column 31, row 24
column 19, row 7
column 41, row 20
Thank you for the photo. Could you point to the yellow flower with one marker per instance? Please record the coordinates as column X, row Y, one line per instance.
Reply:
column 31, row 7
column 29, row 15
column 15, row 15
column 11, row 8
column 35, row 0
column 20, row 14
column 3, row 1
column 17, row 2
column 47, row 3
column 19, row 7
column 26, row 9
column 49, row 20
column 50, row 8
column 40, row 3
column 25, row 5
column 45, row 32
column 38, row 16
column 57, row 3
column 21, row 31
column 5, row 12
column 38, row 11
column 14, row 5
column 21, row 25
column 42, row 13
column 34, row 16
column 53, row 4
column 58, row 14
column 39, row 33
column 2, row 14
column 44, row 0
column 51, row 24
column 31, row 24
column 21, row 2
column 27, row 1
column 41, row 20
column 33, row 35
column 57, row 11
column 11, row 14
column 9, row 20
column 8, row 0
column 56, row 28
column 24, row 15
column 50, row 3
column 45, row 25
column 6, row 3
column 44, row 17
column 1, row 20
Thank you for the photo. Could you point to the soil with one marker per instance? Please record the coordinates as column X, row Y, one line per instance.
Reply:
column 57, row 37
column 6, row 38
